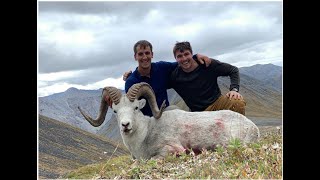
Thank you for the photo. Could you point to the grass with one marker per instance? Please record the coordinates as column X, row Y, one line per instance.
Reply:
column 261, row 160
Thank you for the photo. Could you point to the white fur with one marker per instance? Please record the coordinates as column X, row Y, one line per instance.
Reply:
column 177, row 130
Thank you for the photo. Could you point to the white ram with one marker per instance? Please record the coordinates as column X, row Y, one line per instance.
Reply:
column 172, row 131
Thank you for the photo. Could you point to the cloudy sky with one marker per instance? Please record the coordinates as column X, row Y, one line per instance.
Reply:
column 89, row 45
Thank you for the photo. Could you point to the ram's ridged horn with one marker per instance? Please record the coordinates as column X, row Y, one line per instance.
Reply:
column 145, row 90
column 114, row 94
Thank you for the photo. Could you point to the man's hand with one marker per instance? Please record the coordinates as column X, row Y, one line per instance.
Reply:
column 126, row 75
column 234, row 94
column 204, row 59
column 109, row 101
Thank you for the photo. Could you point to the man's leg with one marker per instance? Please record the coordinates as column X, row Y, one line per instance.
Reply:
column 223, row 102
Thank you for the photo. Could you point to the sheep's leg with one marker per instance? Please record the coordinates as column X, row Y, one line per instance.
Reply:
column 168, row 149
column 171, row 149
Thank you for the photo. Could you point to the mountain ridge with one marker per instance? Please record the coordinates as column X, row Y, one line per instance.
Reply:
column 253, row 71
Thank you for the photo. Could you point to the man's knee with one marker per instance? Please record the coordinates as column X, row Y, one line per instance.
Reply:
column 238, row 103
column 238, row 106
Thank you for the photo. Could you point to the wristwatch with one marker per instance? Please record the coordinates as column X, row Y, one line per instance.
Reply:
column 235, row 89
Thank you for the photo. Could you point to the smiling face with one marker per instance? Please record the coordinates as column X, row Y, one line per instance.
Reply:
column 185, row 60
column 143, row 55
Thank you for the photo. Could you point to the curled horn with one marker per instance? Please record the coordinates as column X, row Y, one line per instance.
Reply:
column 145, row 90
column 114, row 94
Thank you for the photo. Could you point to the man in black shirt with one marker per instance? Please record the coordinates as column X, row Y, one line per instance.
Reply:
column 197, row 84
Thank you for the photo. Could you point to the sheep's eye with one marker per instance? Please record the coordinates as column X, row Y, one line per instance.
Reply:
column 114, row 111
column 136, row 108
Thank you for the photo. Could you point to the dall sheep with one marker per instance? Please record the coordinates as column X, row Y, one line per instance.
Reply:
column 172, row 131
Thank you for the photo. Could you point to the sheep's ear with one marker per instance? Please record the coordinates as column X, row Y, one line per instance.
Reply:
column 142, row 103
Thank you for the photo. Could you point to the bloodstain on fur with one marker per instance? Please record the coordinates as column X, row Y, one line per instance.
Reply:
column 220, row 124
column 188, row 127
column 219, row 127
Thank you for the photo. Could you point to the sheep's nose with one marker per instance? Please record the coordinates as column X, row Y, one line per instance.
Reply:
column 125, row 125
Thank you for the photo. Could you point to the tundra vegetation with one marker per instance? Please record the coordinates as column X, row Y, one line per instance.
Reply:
column 260, row 160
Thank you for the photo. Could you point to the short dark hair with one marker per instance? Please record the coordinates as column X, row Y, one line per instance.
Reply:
column 182, row 46
column 142, row 44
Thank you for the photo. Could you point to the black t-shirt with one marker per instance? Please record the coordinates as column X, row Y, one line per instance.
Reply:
column 199, row 88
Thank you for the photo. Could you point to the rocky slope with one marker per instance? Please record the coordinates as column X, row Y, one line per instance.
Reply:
column 63, row 147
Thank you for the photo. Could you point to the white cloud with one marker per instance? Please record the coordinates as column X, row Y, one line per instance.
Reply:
column 118, row 83
column 63, row 86
column 260, row 53
column 58, row 75
column 187, row 30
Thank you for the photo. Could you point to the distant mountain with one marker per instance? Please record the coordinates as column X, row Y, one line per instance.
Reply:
column 63, row 147
column 63, row 107
column 262, row 100
column 269, row 74
column 261, row 88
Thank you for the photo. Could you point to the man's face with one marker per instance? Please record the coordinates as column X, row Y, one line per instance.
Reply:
column 144, row 56
column 184, row 59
